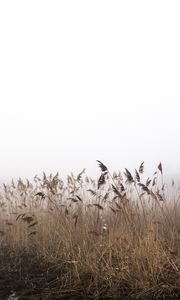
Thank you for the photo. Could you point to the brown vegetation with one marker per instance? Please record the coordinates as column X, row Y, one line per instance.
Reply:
column 114, row 238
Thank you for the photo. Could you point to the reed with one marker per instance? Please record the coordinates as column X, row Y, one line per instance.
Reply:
column 114, row 237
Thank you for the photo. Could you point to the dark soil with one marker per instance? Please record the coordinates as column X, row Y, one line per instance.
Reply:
column 29, row 277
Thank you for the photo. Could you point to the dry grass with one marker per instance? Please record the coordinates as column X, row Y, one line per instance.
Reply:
column 114, row 238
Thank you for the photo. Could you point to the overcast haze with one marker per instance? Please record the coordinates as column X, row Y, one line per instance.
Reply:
column 87, row 80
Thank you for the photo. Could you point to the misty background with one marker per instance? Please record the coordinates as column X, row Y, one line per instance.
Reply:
column 87, row 80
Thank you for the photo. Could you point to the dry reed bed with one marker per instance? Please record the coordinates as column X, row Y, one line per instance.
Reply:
column 115, row 237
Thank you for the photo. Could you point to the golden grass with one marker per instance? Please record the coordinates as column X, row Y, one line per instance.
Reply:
column 116, row 237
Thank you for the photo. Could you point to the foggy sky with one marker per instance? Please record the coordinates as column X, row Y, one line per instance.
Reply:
column 87, row 80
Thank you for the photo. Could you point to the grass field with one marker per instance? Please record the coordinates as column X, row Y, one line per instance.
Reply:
column 117, row 237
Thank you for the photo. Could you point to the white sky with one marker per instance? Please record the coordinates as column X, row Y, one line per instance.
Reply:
column 87, row 80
